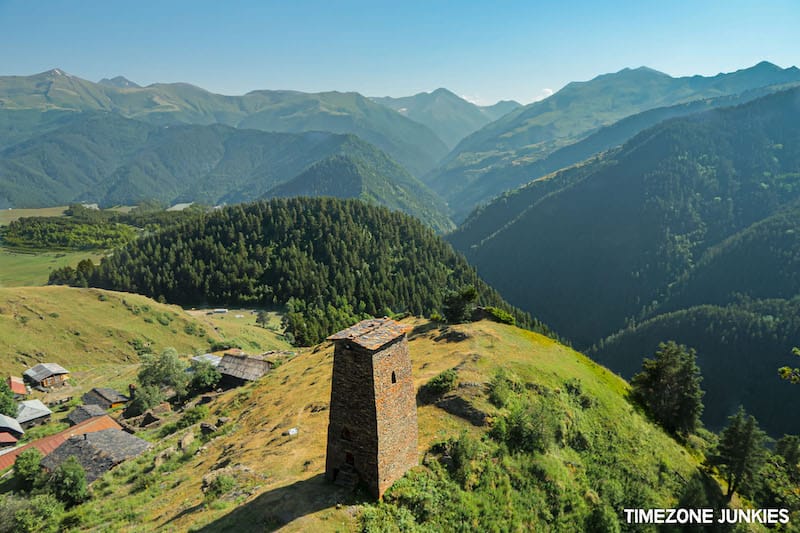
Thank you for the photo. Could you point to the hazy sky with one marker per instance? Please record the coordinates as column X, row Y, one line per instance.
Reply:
column 484, row 51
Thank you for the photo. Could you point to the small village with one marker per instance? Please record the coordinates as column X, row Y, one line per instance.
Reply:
column 101, row 432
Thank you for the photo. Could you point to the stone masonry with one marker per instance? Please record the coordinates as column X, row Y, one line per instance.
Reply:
column 373, row 411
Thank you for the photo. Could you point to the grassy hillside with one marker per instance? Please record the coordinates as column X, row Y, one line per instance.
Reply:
column 83, row 328
column 278, row 480
column 28, row 269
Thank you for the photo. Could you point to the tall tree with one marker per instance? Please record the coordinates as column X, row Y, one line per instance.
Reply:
column 669, row 387
column 740, row 452
column 8, row 405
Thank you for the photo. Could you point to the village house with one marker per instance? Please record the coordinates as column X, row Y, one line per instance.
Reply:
column 33, row 413
column 85, row 412
column 209, row 358
column 47, row 375
column 237, row 370
column 17, row 386
column 47, row 444
column 10, row 431
column 97, row 452
column 105, row 398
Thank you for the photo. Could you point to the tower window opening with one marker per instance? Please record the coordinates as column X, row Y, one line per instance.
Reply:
column 394, row 377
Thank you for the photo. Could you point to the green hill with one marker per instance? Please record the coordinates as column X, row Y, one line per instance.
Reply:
column 687, row 213
column 92, row 329
column 449, row 116
column 412, row 144
column 105, row 158
column 533, row 132
column 604, row 456
column 377, row 180
column 330, row 261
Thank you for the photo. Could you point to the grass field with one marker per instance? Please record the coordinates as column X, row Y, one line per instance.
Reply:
column 33, row 269
column 9, row 215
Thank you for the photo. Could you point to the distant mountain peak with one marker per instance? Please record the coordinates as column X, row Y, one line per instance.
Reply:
column 53, row 73
column 121, row 82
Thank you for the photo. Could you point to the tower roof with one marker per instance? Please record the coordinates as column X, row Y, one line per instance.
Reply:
column 372, row 333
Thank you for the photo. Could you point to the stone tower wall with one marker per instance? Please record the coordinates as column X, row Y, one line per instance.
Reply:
column 396, row 412
column 353, row 424
column 371, row 418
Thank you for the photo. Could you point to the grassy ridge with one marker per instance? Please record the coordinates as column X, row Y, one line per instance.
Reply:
column 278, row 479
column 83, row 328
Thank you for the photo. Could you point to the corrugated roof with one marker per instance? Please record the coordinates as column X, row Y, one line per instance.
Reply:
column 245, row 367
column 372, row 333
column 208, row 358
column 47, row 444
column 43, row 371
column 6, row 422
column 97, row 452
column 85, row 412
column 17, row 386
column 8, row 438
column 31, row 410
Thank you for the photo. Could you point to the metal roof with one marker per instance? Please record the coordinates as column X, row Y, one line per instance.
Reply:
column 6, row 422
column 17, row 386
column 245, row 367
column 372, row 333
column 31, row 410
column 214, row 360
column 43, row 371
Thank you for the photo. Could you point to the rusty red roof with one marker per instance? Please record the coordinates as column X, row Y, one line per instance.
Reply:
column 372, row 333
column 5, row 438
column 17, row 386
column 48, row 444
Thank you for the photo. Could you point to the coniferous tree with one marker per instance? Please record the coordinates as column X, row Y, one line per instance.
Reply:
column 669, row 387
column 740, row 452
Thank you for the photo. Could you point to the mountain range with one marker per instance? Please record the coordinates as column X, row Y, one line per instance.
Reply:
column 693, row 211
column 449, row 116
column 104, row 158
column 484, row 160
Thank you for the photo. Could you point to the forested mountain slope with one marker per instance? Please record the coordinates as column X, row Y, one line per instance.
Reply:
column 330, row 261
column 533, row 132
column 108, row 159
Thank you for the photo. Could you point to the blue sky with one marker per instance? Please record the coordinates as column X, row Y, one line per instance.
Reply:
column 485, row 51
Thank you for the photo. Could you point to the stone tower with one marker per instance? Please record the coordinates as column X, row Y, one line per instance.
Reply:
column 372, row 435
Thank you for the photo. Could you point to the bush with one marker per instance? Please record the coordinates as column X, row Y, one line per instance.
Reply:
column 28, row 469
column 442, row 383
column 41, row 514
column 68, row 482
column 499, row 315
column 219, row 486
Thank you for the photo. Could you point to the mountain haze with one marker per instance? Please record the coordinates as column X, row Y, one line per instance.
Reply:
column 411, row 143
column 533, row 132
column 105, row 158
column 449, row 116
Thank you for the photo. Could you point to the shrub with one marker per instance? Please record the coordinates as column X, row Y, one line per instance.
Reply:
column 442, row 383
column 219, row 486
column 28, row 469
column 68, row 482
column 499, row 315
